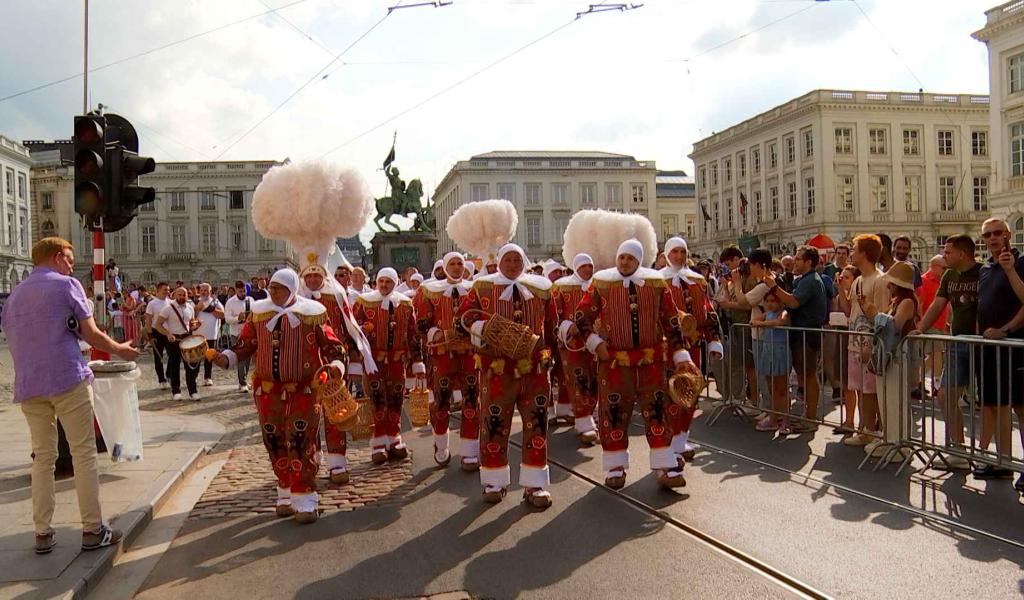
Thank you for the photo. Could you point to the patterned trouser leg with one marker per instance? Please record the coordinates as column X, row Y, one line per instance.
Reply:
column 337, row 446
column 680, row 418
column 619, row 389
column 290, row 423
column 469, row 430
column 442, row 386
column 581, row 386
column 502, row 393
column 387, row 390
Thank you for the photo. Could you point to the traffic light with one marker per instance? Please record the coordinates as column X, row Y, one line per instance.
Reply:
column 91, row 185
column 107, row 164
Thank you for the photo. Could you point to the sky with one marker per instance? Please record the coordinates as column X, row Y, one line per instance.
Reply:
column 336, row 79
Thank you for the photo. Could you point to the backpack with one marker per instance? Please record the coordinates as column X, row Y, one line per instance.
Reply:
column 885, row 341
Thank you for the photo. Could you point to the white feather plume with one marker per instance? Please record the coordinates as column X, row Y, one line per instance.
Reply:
column 481, row 228
column 311, row 203
column 599, row 233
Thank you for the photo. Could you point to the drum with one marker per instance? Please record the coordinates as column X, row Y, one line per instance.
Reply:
column 193, row 349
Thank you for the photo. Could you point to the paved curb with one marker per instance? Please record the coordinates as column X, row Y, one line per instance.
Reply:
column 86, row 570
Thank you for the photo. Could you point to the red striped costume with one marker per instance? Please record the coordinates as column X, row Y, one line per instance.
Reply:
column 337, row 307
column 580, row 369
column 451, row 365
column 285, row 360
column 507, row 384
column 633, row 318
column 390, row 326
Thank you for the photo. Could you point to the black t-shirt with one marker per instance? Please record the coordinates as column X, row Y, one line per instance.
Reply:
column 259, row 294
column 997, row 302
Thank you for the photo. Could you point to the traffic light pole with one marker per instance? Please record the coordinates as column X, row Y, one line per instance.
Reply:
column 99, row 284
column 85, row 61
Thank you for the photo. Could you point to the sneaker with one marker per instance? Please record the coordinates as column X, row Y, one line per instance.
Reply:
column 45, row 542
column 243, row 389
column 859, row 439
column 843, row 430
column 768, row 423
column 176, row 396
column 991, row 472
column 92, row 540
column 196, row 397
column 208, row 383
column 164, row 385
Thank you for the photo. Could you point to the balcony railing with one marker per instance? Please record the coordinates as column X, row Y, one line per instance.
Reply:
column 180, row 258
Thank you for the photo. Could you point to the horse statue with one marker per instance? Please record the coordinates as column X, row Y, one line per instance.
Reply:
column 404, row 201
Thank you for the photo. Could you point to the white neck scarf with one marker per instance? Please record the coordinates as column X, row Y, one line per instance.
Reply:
column 524, row 292
column 288, row 311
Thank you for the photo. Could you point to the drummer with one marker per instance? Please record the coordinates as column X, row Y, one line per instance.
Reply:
column 176, row 321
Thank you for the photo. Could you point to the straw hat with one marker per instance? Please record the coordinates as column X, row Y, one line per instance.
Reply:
column 900, row 274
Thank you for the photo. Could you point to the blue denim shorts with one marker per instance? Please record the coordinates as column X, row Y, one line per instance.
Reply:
column 958, row 366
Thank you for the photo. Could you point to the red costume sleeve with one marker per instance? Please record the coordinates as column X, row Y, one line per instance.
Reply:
column 331, row 348
column 668, row 314
column 588, row 311
column 245, row 346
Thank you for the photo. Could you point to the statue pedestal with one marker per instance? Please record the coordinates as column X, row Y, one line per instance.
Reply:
column 403, row 249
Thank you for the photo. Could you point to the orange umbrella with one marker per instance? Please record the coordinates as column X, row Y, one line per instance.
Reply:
column 821, row 242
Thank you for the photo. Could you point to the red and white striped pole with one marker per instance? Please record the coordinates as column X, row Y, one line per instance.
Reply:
column 99, row 286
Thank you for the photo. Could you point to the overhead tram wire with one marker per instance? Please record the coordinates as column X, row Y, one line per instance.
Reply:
column 297, row 28
column 150, row 51
column 451, row 87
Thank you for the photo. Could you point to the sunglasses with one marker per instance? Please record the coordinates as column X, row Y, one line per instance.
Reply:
column 988, row 234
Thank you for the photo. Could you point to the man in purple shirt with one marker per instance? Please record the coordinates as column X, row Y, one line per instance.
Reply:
column 44, row 318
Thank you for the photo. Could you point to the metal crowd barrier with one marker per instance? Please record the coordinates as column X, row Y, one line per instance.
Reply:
column 934, row 387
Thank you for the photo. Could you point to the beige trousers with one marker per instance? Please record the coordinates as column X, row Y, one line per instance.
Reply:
column 74, row 408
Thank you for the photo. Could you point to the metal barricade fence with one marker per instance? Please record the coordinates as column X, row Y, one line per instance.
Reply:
column 903, row 405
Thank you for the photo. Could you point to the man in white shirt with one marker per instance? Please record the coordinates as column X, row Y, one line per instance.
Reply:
column 236, row 312
column 175, row 322
column 157, row 303
column 210, row 312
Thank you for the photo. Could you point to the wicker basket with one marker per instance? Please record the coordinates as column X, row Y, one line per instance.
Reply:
column 332, row 393
column 419, row 406
column 363, row 429
column 511, row 339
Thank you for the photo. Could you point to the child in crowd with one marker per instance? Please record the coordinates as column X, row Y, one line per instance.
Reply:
column 773, row 363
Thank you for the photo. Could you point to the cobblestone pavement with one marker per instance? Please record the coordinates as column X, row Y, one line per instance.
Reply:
column 246, row 485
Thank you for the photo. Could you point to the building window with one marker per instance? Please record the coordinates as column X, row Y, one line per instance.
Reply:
column 532, row 194
column 844, row 192
column 588, row 194
column 689, row 226
column 947, row 193
column 533, row 233
column 118, row 242
column 206, row 201
column 979, row 143
column 1016, row 73
column 727, row 167
column 945, row 139
column 880, row 192
column 715, row 215
column 912, row 193
column 844, row 140
column 755, row 159
column 702, row 177
column 148, row 239
column 178, row 239
column 741, row 161
column 9, row 182
column 876, row 138
column 980, row 193
column 266, row 244
column 639, row 192
column 791, row 193
column 809, row 195
column 478, row 192
column 23, row 233
column 237, row 238
column 148, row 207
column 507, row 191
column 1018, row 234
column 22, row 186
column 1017, row 149
column 758, row 213
column 209, row 235
column 669, row 226
column 47, row 198
column 728, row 212
column 714, row 173
column 790, row 150
column 773, row 155
column 911, row 142
column 178, row 201
column 773, row 203
column 560, row 194
column 808, row 144
column 236, row 200
column 614, row 193
column 10, row 225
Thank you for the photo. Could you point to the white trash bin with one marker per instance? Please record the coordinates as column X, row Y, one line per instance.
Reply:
column 116, row 402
